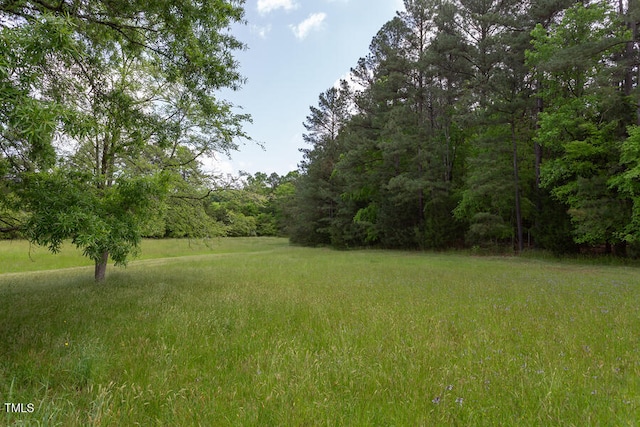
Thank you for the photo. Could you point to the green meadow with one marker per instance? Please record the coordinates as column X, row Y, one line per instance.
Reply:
column 255, row 332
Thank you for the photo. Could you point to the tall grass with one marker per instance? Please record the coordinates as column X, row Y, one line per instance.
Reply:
column 255, row 332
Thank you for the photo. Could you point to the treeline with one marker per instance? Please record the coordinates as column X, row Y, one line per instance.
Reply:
column 481, row 123
column 243, row 206
column 203, row 205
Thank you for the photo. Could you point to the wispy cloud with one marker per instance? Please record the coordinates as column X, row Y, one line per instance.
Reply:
column 261, row 31
column 266, row 6
column 312, row 23
column 217, row 166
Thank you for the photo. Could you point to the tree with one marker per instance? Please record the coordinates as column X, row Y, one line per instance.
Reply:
column 317, row 192
column 495, row 34
column 28, row 120
column 384, row 166
column 184, row 213
column 627, row 182
column 405, row 147
column 274, row 193
column 136, row 75
column 583, row 124
column 510, row 119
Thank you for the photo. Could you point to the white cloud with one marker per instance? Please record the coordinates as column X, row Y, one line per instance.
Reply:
column 217, row 166
column 266, row 6
column 262, row 32
column 312, row 23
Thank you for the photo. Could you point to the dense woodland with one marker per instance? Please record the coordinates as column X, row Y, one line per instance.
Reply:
column 470, row 123
column 482, row 123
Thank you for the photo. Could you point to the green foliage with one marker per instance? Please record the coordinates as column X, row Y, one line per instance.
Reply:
column 253, row 207
column 367, row 217
column 554, row 230
column 238, row 225
column 188, row 218
column 575, row 50
column 627, row 182
column 488, row 198
column 122, row 96
column 484, row 122
column 510, row 126
column 427, row 96
column 28, row 117
column 581, row 121
column 317, row 190
column 67, row 205
column 487, row 228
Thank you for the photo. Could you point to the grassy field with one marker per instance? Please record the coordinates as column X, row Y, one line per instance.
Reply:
column 254, row 332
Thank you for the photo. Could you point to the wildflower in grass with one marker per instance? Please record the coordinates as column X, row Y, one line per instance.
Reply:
column 450, row 387
column 459, row 400
column 436, row 400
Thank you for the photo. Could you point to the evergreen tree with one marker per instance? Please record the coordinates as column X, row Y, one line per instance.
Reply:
column 508, row 119
column 316, row 191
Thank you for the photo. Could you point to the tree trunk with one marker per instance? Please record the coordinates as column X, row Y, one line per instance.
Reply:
column 633, row 53
column 517, row 188
column 630, row 52
column 101, row 267
column 538, row 162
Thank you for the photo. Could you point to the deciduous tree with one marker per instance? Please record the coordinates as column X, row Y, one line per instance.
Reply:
column 111, row 80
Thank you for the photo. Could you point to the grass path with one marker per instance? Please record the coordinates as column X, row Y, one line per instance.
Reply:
column 19, row 256
column 256, row 332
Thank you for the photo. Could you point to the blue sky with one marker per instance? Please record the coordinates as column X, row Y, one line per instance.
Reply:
column 297, row 49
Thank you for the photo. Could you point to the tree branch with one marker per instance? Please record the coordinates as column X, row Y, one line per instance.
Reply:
column 192, row 197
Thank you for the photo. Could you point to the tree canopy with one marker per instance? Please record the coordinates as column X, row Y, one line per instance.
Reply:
column 484, row 123
column 104, row 103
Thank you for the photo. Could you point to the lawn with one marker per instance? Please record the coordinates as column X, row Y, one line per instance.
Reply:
column 255, row 332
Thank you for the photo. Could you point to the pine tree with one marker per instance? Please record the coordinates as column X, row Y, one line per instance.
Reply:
column 316, row 190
